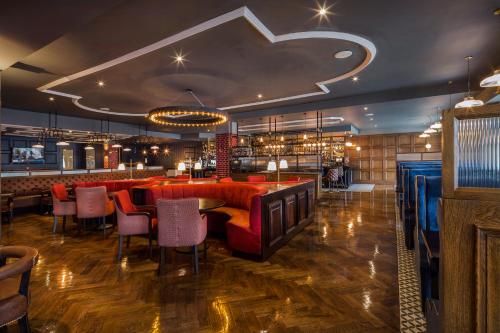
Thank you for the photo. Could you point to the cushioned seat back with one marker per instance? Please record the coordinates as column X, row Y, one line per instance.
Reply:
column 409, row 183
column 256, row 178
column 59, row 190
column 124, row 204
column 421, row 212
column 412, row 165
column 433, row 192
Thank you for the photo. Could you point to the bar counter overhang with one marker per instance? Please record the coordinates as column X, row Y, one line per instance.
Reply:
column 285, row 210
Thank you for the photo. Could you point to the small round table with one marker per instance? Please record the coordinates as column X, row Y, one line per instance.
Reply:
column 207, row 204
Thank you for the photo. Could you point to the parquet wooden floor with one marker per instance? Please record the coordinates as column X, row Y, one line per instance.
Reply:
column 338, row 275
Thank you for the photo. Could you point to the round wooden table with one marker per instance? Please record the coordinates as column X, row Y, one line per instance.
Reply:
column 207, row 204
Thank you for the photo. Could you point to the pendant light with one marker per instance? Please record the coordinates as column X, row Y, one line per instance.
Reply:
column 424, row 135
column 127, row 149
column 492, row 80
column 271, row 165
column 469, row 101
column 89, row 147
column 305, row 126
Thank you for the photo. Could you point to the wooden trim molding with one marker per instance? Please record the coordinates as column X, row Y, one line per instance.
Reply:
column 488, row 278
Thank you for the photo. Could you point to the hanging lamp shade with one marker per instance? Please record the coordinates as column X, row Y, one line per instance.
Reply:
column 197, row 166
column 424, row 135
column 181, row 166
column 469, row 102
column 437, row 125
column 89, row 147
column 428, row 146
column 283, row 164
column 140, row 166
column 62, row 143
column 121, row 166
column 271, row 166
column 38, row 145
column 116, row 145
column 154, row 147
column 127, row 149
column 430, row 131
column 492, row 80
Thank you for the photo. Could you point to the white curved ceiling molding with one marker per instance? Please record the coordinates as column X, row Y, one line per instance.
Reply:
column 242, row 12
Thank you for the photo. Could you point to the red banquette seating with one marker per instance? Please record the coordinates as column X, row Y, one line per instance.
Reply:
column 243, row 206
column 118, row 185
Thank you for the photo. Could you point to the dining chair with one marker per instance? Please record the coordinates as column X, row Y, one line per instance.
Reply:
column 226, row 180
column 62, row 205
column 332, row 177
column 7, row 209
column 14, row 285
column 180, row 224
column 93, row 202
column 256, row 178
column 132, row 221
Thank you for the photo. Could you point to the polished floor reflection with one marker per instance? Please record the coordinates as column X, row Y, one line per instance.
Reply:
column 338, row 275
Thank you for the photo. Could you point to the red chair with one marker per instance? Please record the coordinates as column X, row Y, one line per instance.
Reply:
column 132, row 221
column 226, row 180
column 62, row 206
column 180, row 224
column 93, row 202
column 182, row 177
column 257, row 179
column 294, row 178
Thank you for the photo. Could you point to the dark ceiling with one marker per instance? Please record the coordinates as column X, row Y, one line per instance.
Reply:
column 420, row 46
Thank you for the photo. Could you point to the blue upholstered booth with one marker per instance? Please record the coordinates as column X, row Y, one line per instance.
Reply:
column 426, row 235
column 408, row 164
column 409, row 199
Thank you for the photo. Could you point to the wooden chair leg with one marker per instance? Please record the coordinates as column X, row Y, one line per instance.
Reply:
column 120, row 247
column 54, row 226
column 150, row 241
column 64, row 224
column 24, row 325
column 195, row 257
column 128, row 241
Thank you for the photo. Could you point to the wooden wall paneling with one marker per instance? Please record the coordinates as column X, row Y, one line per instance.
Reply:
column 310, row 203
column 290, row 212
column 275, row 213
column 488, row 278
column 302, row 206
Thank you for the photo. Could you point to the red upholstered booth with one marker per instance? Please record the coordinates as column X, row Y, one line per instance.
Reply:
column 118, row 185
column 243, row 206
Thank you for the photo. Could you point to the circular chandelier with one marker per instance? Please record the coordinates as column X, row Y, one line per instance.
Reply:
column 187, row 116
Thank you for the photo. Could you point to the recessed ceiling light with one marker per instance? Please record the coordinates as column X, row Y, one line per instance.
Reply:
column 51, row 99
column 323, row 11
column 259, row 96
column 100, row 83
column 355, row 79
column 179, row 58
column 371, row 119
column 365, row 108
column 369, row 115
column 343, row 54
column 71, row 131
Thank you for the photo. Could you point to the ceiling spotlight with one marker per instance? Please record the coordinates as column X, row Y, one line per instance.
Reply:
column 100, row 83
column 358, row 148
column 165, row 151
column 355, row 79
column 322, row 11
column 343, row 54
column 259, row 96
column 365, row 108
column 369, row 115
column 242, row 140
column 144, row 152
column 492, row 80
column 51, row 99
column 154, row 147
column 179, row 58
column 70, row 131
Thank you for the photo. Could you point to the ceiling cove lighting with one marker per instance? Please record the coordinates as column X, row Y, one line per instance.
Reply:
column 469, row 101
column 492, row 80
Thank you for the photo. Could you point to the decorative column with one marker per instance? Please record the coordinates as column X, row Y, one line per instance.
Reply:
column 223, row 144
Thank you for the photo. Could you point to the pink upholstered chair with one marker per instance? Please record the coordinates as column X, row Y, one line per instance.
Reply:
column 294, row 178
column 180, row 224
column 93, row 202
column 226, row 180
column 62, row 206
column 132, row 221
column 256, row 178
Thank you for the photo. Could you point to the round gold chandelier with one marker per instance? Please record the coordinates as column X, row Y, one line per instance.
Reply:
column 187, row 116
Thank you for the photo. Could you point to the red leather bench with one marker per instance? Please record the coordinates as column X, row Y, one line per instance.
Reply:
column 118, row 185
column 243, row 208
